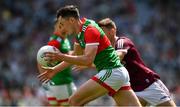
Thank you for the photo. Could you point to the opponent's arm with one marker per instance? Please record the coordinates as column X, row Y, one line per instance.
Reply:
column 121, row 53
column 123, row 45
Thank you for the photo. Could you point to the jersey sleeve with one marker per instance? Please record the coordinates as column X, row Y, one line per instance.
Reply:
column 92, row 36
column 54, row 43
column 123, row 45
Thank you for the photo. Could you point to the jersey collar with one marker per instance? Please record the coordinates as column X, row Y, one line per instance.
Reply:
column 83, row 20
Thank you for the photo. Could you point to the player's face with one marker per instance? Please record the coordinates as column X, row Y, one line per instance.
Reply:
column 110, row 33
column 65, row 26
column 56, row 28
column 106, row 31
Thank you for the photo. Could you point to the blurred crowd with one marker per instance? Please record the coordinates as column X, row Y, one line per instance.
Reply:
column 25, row 26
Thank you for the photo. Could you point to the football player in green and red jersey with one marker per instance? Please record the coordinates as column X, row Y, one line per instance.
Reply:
column 112, row 76
column 61, row 86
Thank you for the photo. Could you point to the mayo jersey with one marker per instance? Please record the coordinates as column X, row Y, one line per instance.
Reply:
column 63, row 77
column 91, row 34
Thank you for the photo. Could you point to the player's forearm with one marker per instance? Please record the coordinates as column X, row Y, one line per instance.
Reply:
column 77, row 60
column 61, row 66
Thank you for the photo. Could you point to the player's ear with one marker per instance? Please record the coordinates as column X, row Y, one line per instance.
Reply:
column 112, row 31
column 56, row 27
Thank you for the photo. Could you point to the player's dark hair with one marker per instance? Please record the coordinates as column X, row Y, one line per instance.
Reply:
column 68, row 11
column 107, row 22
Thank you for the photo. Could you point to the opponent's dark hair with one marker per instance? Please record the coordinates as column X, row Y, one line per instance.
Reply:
column 68, row 11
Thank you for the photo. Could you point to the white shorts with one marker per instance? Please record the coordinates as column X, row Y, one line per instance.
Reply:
column 155, row 94
column 113, row 79
column 59, row 93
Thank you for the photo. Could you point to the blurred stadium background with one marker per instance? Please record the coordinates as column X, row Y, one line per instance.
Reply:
column 25, row 26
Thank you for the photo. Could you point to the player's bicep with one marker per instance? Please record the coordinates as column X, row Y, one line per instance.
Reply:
column 90, row 52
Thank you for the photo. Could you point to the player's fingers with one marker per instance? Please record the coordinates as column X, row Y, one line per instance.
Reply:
column 46, row 68
column 45, row 81
column 78, row 69
column 48, row 53
column 48, row 59
column 42, row 74
column 74, row 68
column 41, row 78
column 51, row 54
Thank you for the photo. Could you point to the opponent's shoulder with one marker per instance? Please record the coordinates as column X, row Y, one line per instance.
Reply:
column 124, row 38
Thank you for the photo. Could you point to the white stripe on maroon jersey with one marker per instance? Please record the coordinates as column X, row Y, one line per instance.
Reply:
column 120, row 43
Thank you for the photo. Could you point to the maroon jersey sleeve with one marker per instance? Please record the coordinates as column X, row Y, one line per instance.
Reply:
column 140, row 75
column 123, row 44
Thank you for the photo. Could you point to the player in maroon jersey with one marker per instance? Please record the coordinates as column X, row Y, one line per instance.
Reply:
column 144, row 81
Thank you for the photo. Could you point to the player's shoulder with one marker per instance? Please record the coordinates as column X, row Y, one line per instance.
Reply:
column 124, row 40
column 122, row 37
column 92, row 30
column 90, row 27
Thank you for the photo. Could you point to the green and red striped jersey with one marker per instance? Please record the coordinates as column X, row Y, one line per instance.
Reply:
column 91, row 34
column 63, row 77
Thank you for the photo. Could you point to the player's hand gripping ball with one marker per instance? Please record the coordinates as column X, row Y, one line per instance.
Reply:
column 41, row 55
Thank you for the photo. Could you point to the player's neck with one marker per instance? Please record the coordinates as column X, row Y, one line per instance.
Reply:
column 116, row 37
column 113, row 41
column 79, row 26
